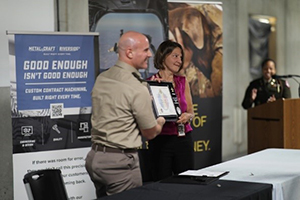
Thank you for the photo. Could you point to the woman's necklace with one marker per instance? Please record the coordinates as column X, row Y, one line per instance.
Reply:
column 172, row 81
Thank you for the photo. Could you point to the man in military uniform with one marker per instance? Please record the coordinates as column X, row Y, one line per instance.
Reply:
column 266, row 89
column 121, row 109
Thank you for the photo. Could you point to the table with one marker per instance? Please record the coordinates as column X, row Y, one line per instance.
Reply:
column 187, row 190
column 279, row 167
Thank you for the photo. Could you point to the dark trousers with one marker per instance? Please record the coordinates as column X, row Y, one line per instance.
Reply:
column 171, row 155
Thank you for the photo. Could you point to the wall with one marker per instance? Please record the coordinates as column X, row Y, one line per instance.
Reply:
column 292, row 43
column 74, row 18
column 16, row 15
column 236, row 75
column 6, row 174
column 235, row 62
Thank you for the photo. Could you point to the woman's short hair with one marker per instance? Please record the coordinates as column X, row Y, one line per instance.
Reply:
column 267, row 60
column 164, row 49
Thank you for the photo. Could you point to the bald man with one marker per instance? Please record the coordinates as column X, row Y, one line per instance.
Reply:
column 121, row 113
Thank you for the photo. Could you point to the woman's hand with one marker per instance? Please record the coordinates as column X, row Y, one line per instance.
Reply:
column 254, row 94
column 185, row 118
column 155, row 78
column 271, row 99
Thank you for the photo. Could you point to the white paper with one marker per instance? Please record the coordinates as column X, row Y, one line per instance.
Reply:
column 202, row 173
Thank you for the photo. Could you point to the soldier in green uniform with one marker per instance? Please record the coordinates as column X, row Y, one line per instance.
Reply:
column 266, row 89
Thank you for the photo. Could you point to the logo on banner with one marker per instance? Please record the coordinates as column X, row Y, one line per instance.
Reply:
column 55, row 128
column 27, row 130
column 84, row 126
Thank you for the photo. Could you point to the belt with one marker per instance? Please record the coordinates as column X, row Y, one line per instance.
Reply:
column 100, row 147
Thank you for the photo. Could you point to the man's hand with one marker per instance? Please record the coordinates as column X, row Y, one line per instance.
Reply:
column 161, row 121
column 151, row 133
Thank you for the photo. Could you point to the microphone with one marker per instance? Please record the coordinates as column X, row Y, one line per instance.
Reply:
column 281, row 76
column 289, row 76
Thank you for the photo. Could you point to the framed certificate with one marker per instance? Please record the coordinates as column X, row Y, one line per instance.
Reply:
column 165, row 102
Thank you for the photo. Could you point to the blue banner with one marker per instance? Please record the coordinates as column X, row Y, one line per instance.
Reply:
column 54, row 69
column 52, row 76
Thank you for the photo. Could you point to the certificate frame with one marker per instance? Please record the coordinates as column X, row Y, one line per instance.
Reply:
column 165, row 102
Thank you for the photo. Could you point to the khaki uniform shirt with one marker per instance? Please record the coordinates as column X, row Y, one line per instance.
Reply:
column 121, row 105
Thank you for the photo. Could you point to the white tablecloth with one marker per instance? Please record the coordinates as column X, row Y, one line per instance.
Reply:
column 279, row 167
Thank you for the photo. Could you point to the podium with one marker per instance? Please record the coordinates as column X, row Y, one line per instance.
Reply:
column 274, row 125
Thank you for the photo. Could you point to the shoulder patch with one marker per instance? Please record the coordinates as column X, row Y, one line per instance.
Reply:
column 287, row 84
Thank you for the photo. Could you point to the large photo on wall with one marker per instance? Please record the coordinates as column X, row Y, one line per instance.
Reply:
column 198, row 28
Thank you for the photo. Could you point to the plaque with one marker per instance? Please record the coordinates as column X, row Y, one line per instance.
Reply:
column 165, row 102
